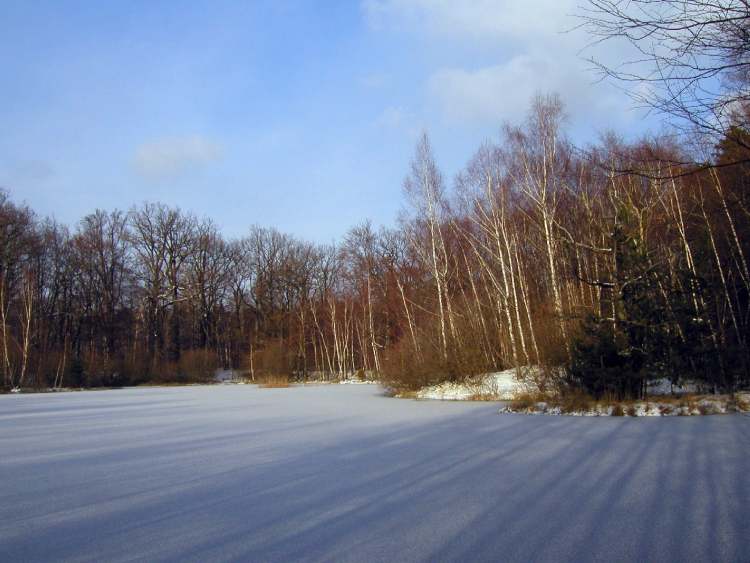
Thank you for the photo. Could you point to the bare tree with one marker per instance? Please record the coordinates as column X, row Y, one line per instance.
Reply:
column 208, row 279
column 424, row 186
column 537, row 166
column 17, row 242
column 163, row 239
column 102, row 259
column 692, row 58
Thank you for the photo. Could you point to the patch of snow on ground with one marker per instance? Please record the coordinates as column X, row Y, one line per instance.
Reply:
column 225, row 375
column 502, row 385
column 358, row 382
column 664, row 387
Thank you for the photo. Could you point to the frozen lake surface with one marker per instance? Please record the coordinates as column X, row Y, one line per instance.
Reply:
column 341, row 473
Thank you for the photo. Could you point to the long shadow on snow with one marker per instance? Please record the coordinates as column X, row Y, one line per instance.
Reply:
column 473, row 486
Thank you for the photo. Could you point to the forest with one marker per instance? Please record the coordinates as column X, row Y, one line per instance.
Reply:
column 620, row 262
column 616, row 262
column 375, row 280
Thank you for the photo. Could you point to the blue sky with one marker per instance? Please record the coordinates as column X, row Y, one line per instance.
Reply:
column 297, row 114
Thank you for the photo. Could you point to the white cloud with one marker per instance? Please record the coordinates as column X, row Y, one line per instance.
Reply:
column 171, row 157
column 503, row 92
column 491, row 19
column 534, row 44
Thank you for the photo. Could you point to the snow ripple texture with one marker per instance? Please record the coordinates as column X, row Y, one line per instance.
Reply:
column 343, row 473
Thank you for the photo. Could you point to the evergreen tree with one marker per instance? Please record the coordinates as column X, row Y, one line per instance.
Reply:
column 618, row 356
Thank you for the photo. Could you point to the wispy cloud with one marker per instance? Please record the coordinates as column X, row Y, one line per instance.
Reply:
column 172, row 157
column 535, row 48
column 502, row 92
column 489, row 19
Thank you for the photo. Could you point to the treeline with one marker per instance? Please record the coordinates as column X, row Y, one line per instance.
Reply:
column 618, row 262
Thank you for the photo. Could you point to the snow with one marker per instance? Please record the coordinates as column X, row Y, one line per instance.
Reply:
column 506, row 385
column 502, row 385
column 343, row 473
column 664, row 387
column 509, row 384
column 225, row 375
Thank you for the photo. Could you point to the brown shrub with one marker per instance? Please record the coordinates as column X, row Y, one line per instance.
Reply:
column 273, row 359
column 100, row 371
column 198, row 366
column 617, row 410
column 552, row 349
column 403, row 369
column 165, row 372
column 483, row 397
column 360, row 375
column 742, row 402
column 47, row 368
column 523, row 402
column 194, row 366
column 574, row 400
column 273, row 381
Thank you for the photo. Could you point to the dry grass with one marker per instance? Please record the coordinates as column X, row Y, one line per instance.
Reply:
column 409, row 394
column 524, row 402
column 568, row 403
column 742, row 402
column 575, row 401
column 273, row 382
column 483, row 397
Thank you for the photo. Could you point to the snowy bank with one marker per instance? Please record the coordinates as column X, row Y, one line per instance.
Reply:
column 683, row 406
column 511, row 383
column 501, row 386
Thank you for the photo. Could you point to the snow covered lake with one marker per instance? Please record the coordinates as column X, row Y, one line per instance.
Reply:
column 342, row 473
